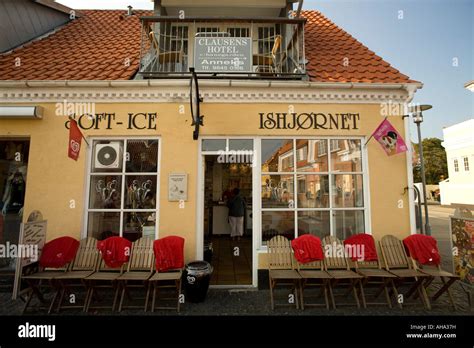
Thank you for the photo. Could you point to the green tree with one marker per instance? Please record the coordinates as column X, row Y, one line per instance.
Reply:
column 436, row 165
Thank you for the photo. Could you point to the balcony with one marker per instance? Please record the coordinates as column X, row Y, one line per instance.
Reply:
column 245, row 48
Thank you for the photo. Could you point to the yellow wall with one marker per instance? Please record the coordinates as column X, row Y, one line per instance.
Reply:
column 54, row 179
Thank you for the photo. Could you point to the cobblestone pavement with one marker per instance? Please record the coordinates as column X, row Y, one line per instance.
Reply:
column 257, row 302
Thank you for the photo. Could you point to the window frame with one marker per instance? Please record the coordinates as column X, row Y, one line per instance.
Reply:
column 456, row 165
column 330, row 173
column 123, row 174
column 465, row 161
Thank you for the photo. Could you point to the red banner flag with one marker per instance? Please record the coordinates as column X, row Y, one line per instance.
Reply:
column 75, row 138
column 391, row 141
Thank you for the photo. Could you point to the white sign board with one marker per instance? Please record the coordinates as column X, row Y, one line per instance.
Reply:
column 177, row 187
column 223, row 54
column 32, row 237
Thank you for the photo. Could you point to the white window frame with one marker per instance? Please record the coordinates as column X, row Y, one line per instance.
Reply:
column 123, row 174
column 330, row 173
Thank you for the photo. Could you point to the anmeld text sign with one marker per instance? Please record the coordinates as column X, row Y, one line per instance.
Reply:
column 223, row 54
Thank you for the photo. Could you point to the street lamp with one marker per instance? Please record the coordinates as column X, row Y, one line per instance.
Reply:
column 417, row 113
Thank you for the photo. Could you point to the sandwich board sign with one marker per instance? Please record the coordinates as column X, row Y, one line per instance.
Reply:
column 30, row 244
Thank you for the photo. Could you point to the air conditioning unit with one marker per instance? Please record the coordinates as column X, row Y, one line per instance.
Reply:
column 108, row 156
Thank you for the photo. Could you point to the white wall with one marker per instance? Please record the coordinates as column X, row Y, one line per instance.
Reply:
column 459, row 144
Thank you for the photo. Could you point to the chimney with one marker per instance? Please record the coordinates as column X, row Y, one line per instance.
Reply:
column 130, row 10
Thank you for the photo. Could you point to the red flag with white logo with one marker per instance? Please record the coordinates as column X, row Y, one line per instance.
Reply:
column 75, row 138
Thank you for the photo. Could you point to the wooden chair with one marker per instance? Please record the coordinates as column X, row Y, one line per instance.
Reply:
column 435, row 271
column 313, row 275
column 35, row 280
column 166, row 56
column 170, row 279
column 104, row 277
column 396, row 262
column 281, row 268
column 140, row 269
column 268, row 62
column 338, row 268
column 83, row 266
column 374, row 274
column 36, row 284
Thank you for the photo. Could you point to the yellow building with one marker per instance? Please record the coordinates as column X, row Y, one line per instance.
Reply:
column 295, row 95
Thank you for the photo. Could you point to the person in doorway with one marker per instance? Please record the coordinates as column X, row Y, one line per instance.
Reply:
column 237, row 208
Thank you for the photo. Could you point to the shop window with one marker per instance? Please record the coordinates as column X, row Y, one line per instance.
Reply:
column 123, row 189
column 315, row 159
column 328, row 198
column 277, row 155
column 346, row 155
column 241, row 144
column 214, row 145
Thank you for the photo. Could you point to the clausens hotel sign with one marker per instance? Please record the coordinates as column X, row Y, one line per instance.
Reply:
column 223, row 54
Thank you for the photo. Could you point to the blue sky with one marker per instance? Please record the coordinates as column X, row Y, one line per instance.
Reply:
column 432, row 37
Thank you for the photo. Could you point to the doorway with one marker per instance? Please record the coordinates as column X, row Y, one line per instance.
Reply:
column 228, row 239
column 14, row 155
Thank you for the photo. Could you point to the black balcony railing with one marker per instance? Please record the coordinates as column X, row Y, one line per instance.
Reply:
column 270, row 48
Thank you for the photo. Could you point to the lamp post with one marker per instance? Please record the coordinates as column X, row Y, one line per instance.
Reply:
column 417, row 112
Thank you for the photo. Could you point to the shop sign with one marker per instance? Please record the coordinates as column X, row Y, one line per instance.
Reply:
column 107, row 121
column 223, row 54
column 177, row 187
column 302, row 121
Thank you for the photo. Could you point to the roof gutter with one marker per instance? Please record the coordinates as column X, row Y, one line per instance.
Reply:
column 411, row 87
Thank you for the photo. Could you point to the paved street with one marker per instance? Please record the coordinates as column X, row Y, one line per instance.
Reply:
column 439, row 221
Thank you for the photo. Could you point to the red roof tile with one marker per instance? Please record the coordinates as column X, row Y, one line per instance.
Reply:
column 335, row 56
column 97, row 45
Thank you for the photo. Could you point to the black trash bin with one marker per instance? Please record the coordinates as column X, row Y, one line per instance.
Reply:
column 197, row 275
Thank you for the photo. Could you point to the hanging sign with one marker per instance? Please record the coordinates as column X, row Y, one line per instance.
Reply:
column 223, row 54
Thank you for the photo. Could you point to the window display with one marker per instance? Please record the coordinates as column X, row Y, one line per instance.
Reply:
column 328, row 198
column 123, row 188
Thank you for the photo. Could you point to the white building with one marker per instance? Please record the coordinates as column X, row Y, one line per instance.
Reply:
column 459, row 145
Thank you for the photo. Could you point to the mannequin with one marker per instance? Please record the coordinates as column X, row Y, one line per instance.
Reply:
column 14, row 196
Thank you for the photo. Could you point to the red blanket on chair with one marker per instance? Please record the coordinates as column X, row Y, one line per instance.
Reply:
column 423, row 249
column 115, row 251
column 169, row 253
column 307, row 248
column 59, row 252
column 368, row 243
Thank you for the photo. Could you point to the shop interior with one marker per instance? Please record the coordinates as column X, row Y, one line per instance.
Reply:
column 231, row 257
column 13, row 169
